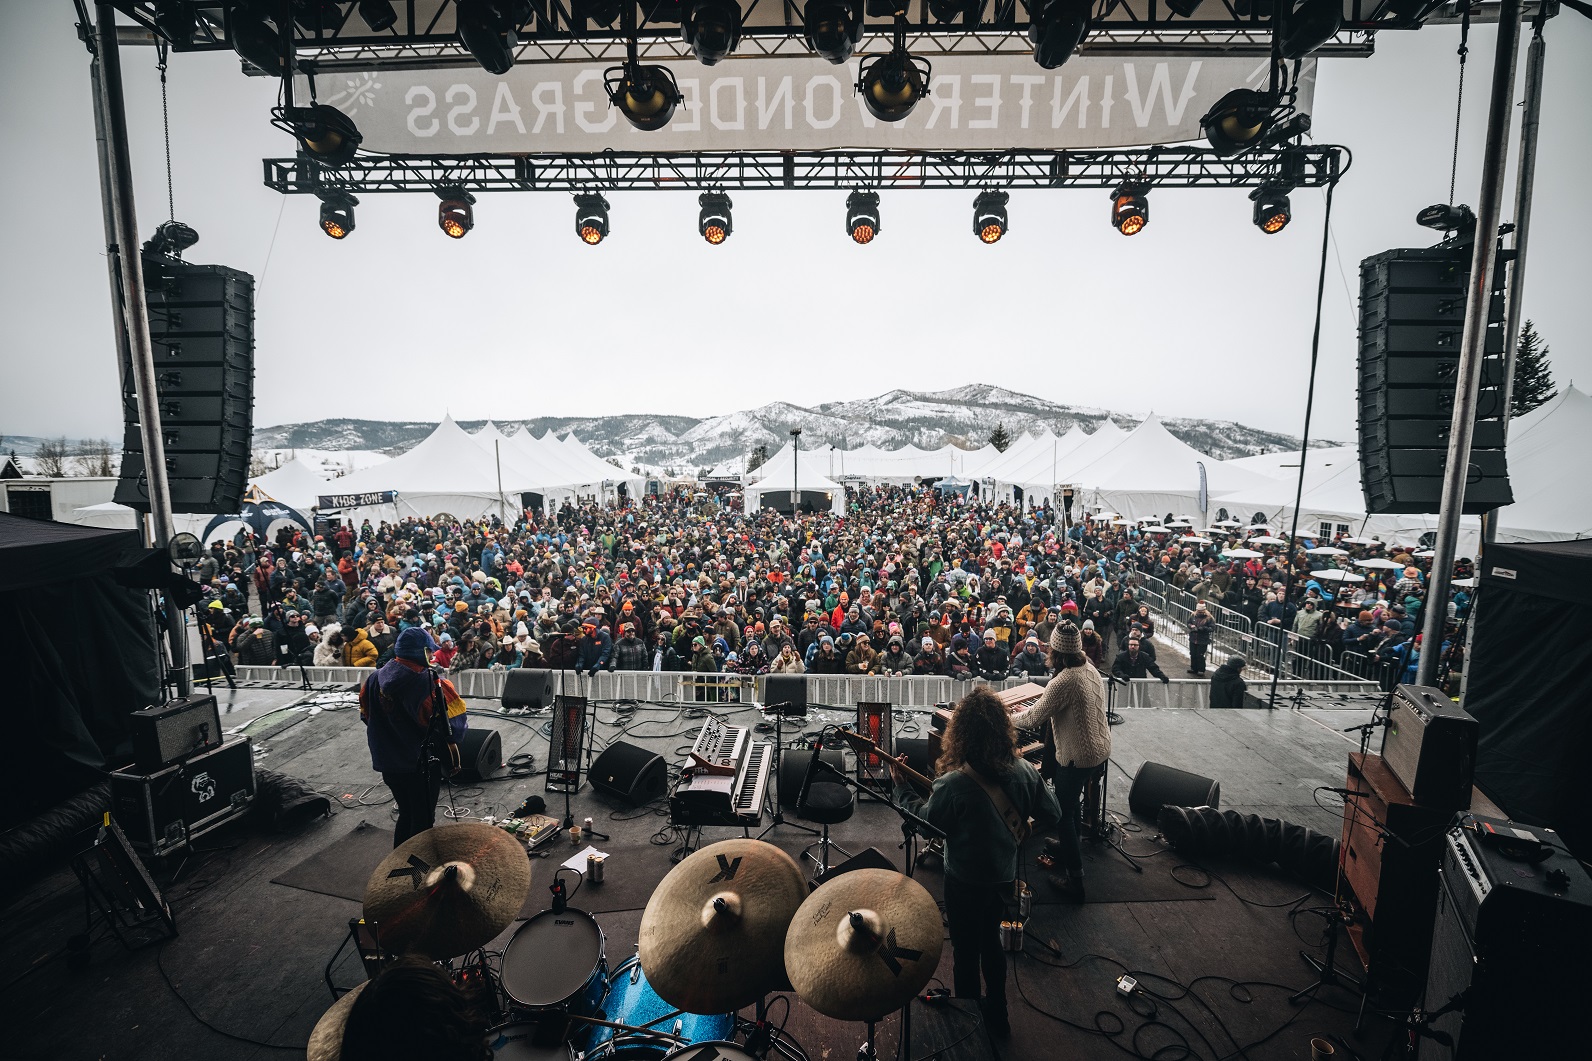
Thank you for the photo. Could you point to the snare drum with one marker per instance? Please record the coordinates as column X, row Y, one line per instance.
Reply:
column 555, row 963
column 632, row 1001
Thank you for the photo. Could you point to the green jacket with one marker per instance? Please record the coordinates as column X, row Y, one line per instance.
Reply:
column 979, row 848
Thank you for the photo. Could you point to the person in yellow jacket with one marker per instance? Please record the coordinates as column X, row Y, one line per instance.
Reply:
column 359, row 650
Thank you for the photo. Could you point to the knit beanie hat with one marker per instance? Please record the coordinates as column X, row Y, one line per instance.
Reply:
column 1064, row 638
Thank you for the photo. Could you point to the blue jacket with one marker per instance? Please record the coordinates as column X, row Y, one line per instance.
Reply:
column 397, row 704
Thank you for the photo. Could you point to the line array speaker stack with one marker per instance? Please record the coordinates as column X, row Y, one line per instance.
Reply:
column 1412, row 314
column 201, row 321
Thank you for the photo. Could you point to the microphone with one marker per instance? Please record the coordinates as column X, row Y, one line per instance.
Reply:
column 812, row 771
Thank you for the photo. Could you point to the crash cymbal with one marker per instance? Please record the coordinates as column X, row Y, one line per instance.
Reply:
column 713, row 934
column 326, row 1041
column 448, row 890
column 863, row 944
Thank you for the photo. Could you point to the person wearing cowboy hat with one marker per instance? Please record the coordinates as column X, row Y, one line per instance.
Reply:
column 1074, row 706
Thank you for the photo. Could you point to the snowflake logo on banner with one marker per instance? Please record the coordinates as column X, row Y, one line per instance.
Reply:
column 357, row 91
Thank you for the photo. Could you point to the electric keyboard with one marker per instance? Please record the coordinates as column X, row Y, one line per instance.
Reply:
column 725, row 778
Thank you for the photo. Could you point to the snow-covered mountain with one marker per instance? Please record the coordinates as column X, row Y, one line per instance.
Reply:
column 964, row 415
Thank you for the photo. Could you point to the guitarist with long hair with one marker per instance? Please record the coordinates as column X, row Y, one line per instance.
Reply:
column 414, row 720
column 984, row 800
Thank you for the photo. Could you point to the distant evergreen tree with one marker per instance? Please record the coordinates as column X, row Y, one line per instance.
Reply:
column 758, row 458
column 999, row 438
column 1533, row 374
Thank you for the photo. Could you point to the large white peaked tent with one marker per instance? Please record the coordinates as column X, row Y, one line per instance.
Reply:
column 778, row 484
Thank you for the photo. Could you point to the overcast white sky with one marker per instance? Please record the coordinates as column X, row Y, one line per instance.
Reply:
column 1198, row 315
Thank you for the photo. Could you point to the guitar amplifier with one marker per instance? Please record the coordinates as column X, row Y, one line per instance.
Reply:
column 173, row 731
column 1513, row 916
column 163, row 810
column 1430, row 745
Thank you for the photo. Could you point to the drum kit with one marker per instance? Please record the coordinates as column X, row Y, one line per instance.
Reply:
column 732, row 924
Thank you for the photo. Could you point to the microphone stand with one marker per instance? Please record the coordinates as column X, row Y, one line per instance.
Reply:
column 779, row 784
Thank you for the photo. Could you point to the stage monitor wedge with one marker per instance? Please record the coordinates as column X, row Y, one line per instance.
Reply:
column 785, row 693
column 527, row 689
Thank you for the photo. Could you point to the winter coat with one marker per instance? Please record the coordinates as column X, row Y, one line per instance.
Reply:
column 1033, row 665
column 1074, row 703
column 630, row 653
column 359, row 651
column 1228, row 685
column 1200, row 627
column 256, row 648
column 860, row 660
column 1126, row 666
column 990, row 662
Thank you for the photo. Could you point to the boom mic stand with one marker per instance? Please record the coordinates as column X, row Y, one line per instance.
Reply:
column 779, row 785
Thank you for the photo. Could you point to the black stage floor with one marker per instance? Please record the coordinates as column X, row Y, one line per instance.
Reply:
column 1217, row 945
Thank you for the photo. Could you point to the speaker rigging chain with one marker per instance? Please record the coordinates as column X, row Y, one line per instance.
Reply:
column 162, row 49
column 1459, row 102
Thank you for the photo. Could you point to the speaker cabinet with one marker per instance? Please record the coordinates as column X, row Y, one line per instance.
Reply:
column 527, row 688
column 1156, row 786
column 174, row 731
column 201, row 323
column 1412, row 313
column 630, row 773
column 1391, row 847
column 1509, row 939
column 786, row 693
column 480, row 755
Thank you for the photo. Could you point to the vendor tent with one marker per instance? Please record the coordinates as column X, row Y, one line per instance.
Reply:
column 259, row 513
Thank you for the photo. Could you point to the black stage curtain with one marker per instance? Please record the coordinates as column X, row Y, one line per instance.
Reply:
column 82, row 654
column 1530, row 685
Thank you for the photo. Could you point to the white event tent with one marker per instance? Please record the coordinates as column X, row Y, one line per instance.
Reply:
column 779, row 482
column 1152, row 472
column 295, row 484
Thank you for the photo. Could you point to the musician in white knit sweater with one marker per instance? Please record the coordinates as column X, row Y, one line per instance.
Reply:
column 1074, row 705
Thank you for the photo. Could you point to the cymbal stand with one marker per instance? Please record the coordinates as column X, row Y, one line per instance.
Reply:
column 776, row 791
column 912, row 826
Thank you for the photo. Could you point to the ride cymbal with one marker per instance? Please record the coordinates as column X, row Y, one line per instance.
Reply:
column 448, row 890
column 713, row 934
column 863, row 944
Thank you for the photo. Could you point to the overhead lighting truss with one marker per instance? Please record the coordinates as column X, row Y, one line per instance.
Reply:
column 425, row 32
column 1312, row 166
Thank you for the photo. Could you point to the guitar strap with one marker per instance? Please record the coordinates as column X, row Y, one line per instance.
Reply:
column 1015, row 820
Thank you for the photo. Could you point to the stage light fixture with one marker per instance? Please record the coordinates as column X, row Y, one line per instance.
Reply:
column 1130, row 207
column 715, row 222
column 378, row 14
column 174, row 21
column 1272, row 209
column 1308, row 24
column 455, row 214
column 862, row 215
column 644, row 93
column 893, row 83
column 1445, row 218
column 712, row 29
column 337, row 212
column 1186, row 8
column 171, row 238
column 1239, row 121
column 602, row 12
column 324, row 133
column 1057, row 30
column 591, row 217
column 313, row 15
column 489, row 30
column 989, row 215
column 833, row 28
column 947, row 10
column 256, row 41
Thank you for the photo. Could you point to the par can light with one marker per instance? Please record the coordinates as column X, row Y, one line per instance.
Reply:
column 456, row 213
column 1130, row 208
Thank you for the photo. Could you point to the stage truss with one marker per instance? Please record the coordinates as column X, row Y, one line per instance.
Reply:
column 1158, row 167
column 336, row 38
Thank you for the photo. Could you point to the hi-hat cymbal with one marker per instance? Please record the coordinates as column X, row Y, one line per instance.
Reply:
column 448, row 890
column 713, row 934
column 326, row 1041
column 863, row 944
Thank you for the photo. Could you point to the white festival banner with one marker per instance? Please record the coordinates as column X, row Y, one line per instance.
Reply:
column 975, row 102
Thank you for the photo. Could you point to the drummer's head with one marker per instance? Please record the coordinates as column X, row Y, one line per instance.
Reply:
column 414, row 1011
